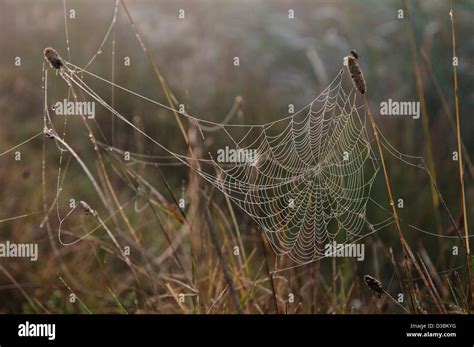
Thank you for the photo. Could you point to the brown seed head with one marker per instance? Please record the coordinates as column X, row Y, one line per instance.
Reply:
column 374, row 284
column 356, row 72
column 53, row 58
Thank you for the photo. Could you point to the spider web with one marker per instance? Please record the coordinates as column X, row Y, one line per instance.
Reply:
column 308, row 185
column 304, row 179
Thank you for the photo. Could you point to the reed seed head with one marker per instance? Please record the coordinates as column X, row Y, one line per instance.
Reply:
column 374, row 284
column 53, row 58
column 356, row 72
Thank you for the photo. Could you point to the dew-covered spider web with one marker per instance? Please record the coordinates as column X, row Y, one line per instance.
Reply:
column 308, row 181
column 304, row 179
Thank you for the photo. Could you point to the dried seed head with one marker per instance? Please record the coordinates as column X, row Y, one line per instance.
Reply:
column 374, row 284
column 87, row 209
column 53, row 58
column 356, row 72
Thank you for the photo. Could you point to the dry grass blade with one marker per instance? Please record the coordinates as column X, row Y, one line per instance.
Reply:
column 460, row 161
